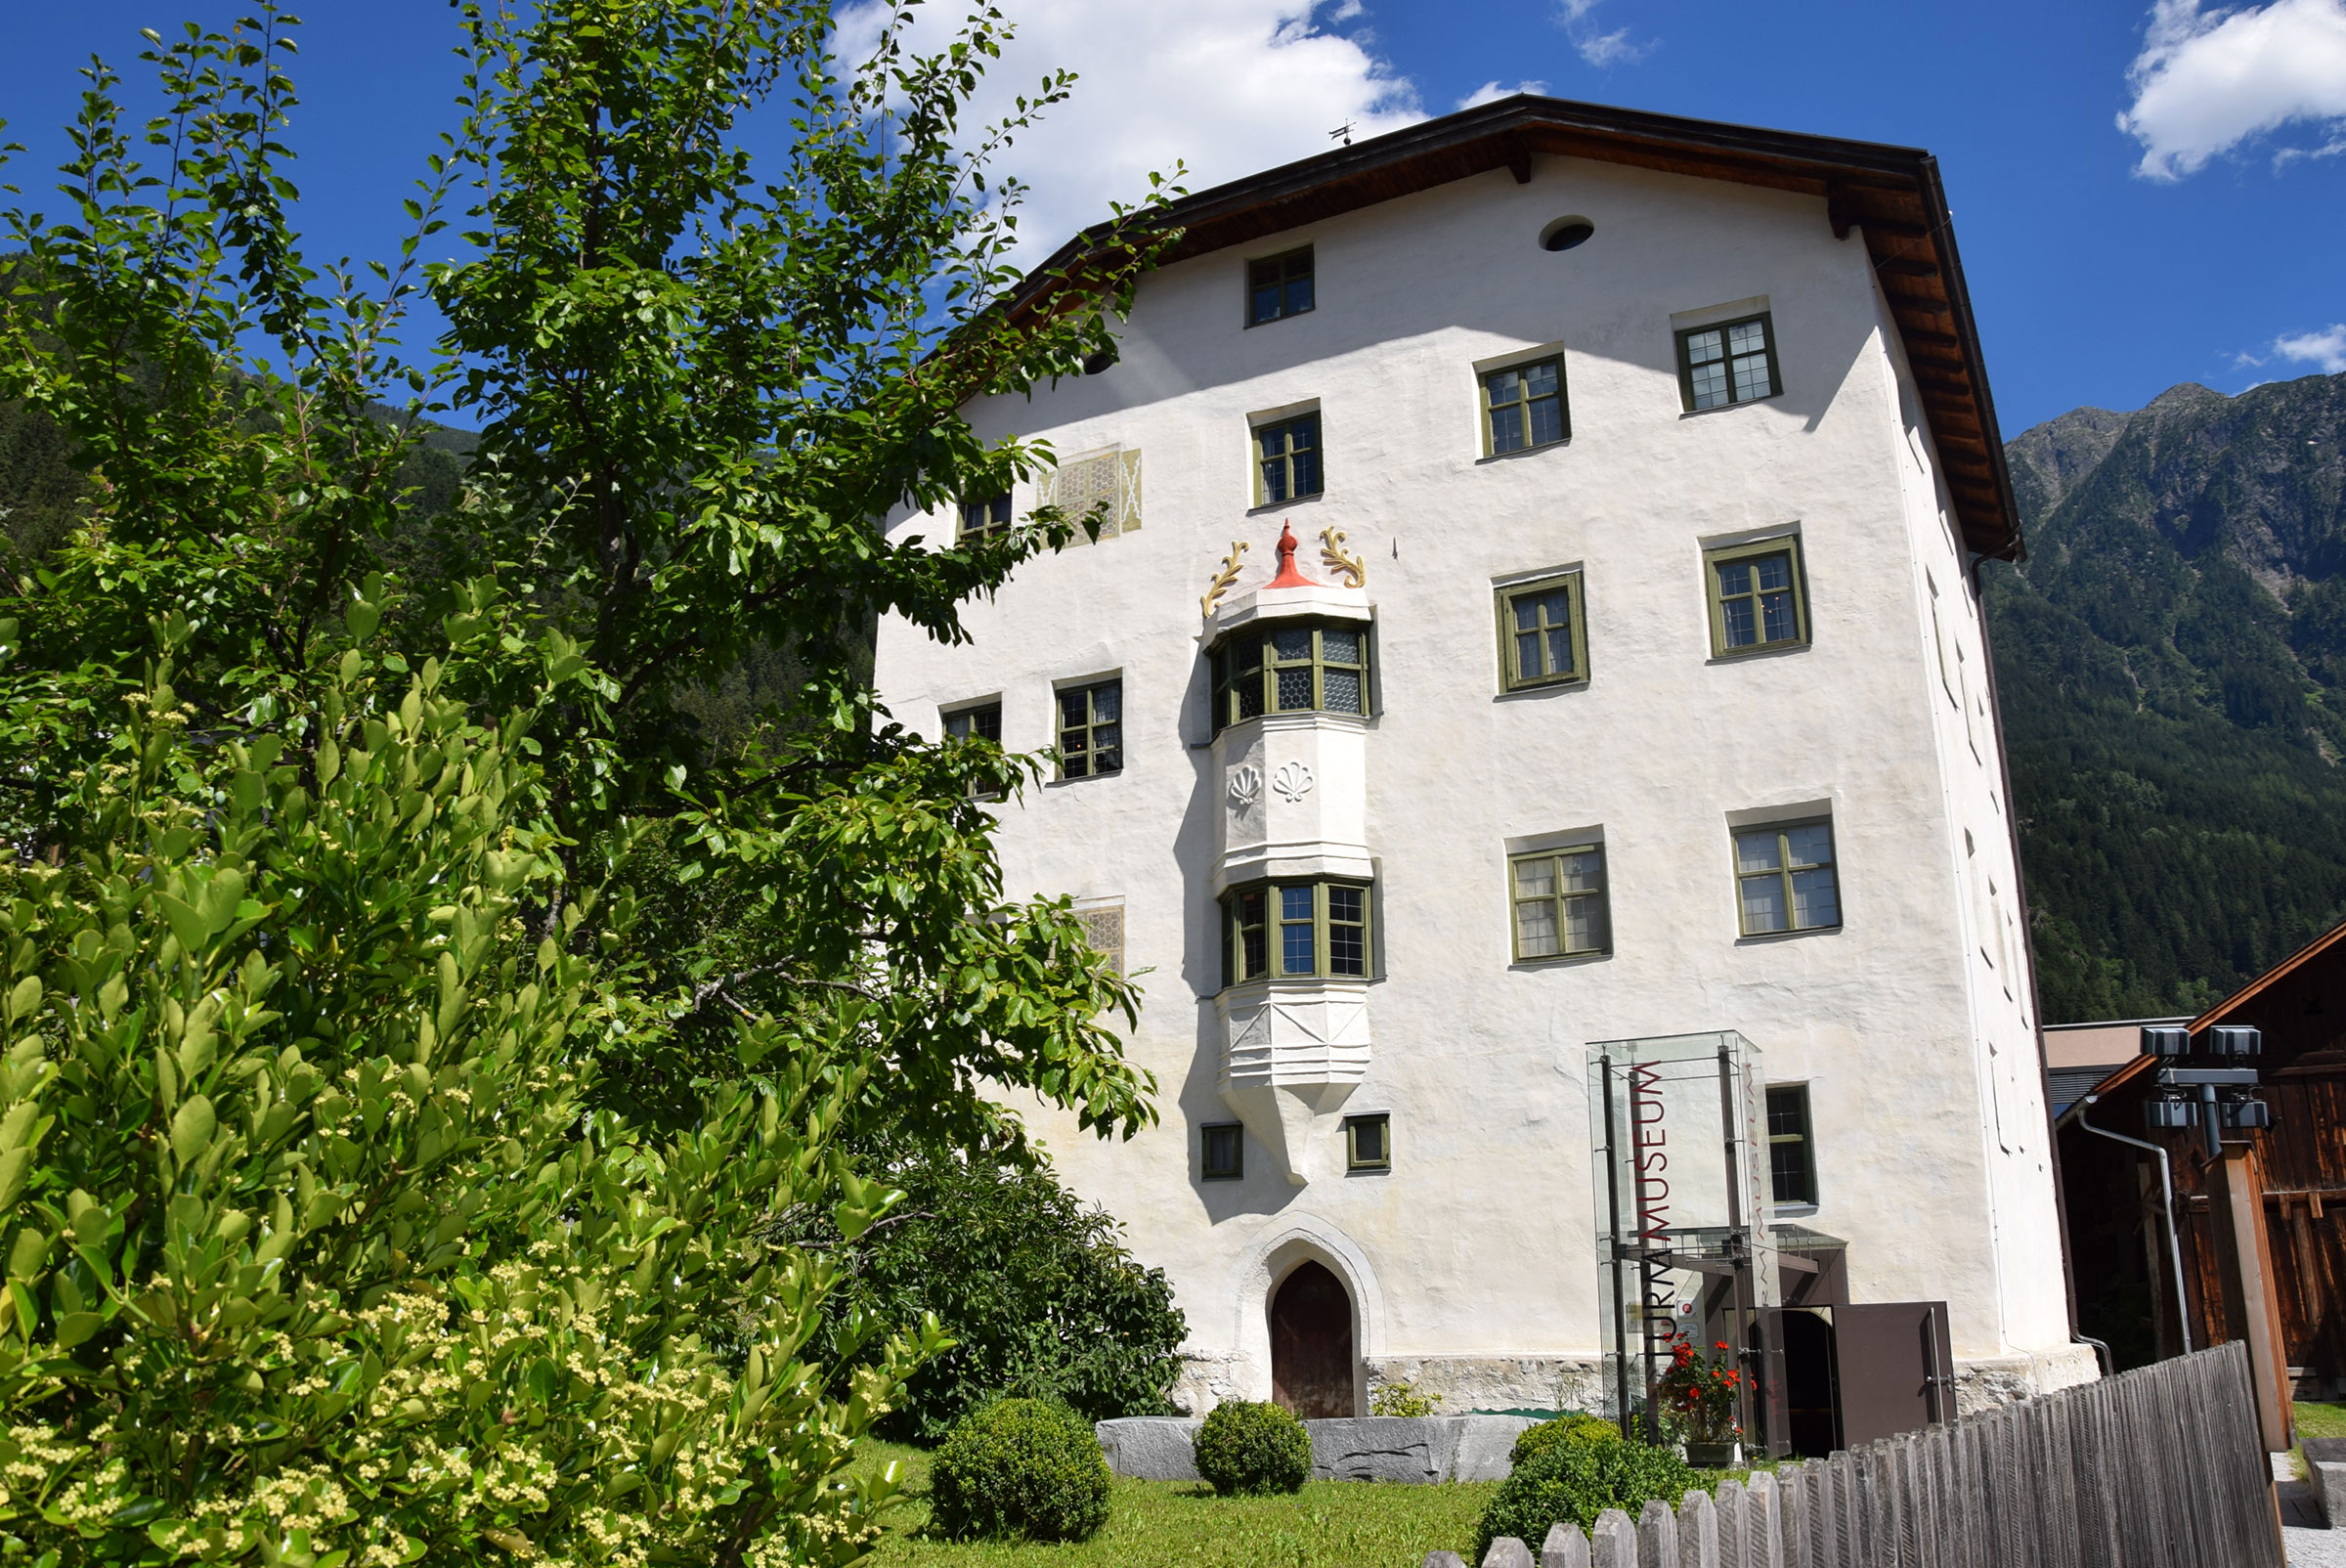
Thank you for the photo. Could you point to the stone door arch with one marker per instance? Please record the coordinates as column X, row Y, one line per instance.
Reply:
column 1311, row 1344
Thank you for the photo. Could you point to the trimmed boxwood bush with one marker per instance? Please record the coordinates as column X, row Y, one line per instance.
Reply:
column 1575, row 1426
column 1573, row 1482
column 1019, row 1468
column 1245, row 1448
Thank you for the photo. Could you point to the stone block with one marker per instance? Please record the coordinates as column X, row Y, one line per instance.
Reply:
column 1416, row 1449
column 1150, row 1448
column 1484, row 1442
column 1565, row 1548
column 2328, row 1478
column 1508, row 1552
column 1443, row 1559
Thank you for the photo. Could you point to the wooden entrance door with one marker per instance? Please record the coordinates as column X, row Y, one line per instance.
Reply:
column 1311, row 1345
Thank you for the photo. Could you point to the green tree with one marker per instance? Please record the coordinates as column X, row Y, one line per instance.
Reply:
column 1035, row 1287
column 421, row 1043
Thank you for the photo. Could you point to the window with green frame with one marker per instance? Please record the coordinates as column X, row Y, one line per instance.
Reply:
column 1791, row 1161
column 1785, row 879
column 1733, row 361
column 983, row 519
column 1286, row 459
column 1368, row 1141
column 1523, row 407
column 1540, row 642
column 1295, row 930
column 1091, row 729
column 1291, row 667
column 1559, row 900
column 1757, row 600
column 1278, row 286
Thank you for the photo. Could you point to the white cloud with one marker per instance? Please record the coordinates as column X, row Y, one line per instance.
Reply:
column 2325, row 348
column 1601, row 49
column 1491, row 92
column 1229, row 87
column 2208, row 80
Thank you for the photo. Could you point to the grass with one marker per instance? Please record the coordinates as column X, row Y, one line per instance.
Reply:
column 1181, row 1524
column 2320, row 1420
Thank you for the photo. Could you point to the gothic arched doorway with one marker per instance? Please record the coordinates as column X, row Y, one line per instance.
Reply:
column 1311, row 1344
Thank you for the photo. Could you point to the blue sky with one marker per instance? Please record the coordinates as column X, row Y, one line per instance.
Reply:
column 2202, row 241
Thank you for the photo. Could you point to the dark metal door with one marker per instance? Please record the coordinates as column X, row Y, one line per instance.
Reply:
column 1311, row 1344
column 1894, row 1367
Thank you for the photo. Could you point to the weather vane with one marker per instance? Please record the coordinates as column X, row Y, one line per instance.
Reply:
column 1342, row 133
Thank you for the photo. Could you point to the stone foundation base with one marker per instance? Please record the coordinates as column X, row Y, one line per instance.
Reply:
column 1418, row 1449
column 1989, row 1381
column 1460, row 1384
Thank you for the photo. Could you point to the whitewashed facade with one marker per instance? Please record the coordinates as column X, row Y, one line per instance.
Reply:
column 1467, row 1262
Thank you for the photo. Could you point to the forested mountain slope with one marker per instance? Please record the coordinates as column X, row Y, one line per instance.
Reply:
column 2172, row 659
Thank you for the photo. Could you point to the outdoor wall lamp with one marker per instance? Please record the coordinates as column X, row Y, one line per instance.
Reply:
column 2215, row 1100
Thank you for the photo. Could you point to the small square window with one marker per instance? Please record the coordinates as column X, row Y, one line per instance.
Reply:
column 1541, row 640
column 1286, row 459
column 1523, row 407
column 1560, row 903
column 985, row 519
column 1369, row 1142
column 1221, row 1152
column 1786, row 880
column 1278, row 286
column 1792, row 1167
column 1091, row 731
column 1733, row 361
column 1759, row 601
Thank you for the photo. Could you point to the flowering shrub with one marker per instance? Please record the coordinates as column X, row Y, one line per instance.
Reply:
column 1704, row 1390
column 315, row 1254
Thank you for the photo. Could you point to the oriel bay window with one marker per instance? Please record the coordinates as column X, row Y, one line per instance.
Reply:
column 1295, row 930
column 1292, row 666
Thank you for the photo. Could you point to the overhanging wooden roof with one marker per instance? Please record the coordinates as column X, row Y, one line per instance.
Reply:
column 2332, row 940
column 1890, row 195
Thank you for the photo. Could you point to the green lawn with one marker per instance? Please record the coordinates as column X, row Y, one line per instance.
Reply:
column 1177, row 1524
column 2320, row 1420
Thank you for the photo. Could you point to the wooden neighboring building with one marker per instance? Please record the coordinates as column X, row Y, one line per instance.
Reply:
column 2119, row 1249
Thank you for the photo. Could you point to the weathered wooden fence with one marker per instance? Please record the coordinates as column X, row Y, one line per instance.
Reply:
column 2160, row 1468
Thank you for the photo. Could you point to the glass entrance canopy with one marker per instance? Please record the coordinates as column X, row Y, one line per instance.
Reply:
column 1677, row 1126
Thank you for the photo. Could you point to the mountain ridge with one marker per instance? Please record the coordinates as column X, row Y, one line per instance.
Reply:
column 2172, row 665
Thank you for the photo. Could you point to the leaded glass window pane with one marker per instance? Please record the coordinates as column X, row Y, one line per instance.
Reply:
column 1341, row 690
column 1294, row 689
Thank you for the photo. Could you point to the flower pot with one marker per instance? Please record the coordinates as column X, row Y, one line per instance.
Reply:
column 1714, row 1455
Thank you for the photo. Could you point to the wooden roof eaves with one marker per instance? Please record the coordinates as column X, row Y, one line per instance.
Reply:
column 1897, row 188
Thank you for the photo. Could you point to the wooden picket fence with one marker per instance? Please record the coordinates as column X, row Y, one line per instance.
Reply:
column 2159, row 1468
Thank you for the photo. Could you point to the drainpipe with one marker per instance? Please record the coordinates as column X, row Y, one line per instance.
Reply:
column 2166, row 1209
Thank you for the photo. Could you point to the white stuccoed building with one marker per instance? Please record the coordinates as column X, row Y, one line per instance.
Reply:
column 1630, row 681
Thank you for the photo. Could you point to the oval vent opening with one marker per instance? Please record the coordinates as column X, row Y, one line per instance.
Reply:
column 1566, row 232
